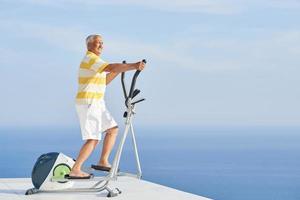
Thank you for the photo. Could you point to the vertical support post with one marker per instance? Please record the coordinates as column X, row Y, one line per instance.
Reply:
column 139, row 174
column 115, row 166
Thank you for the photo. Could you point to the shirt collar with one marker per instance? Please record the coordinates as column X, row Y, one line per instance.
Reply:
column 91, row 53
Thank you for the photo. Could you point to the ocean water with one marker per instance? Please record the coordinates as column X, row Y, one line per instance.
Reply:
column 226, row 163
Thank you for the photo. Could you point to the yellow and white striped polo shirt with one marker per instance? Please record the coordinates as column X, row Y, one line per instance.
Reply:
column 92, row 79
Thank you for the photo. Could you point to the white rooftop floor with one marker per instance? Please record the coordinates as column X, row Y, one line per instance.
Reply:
column 132, row 189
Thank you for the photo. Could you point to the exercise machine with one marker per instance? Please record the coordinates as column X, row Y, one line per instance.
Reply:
column 50, row 169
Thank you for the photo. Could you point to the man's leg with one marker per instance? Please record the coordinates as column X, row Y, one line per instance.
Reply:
column 84, row 153
column 108, row 144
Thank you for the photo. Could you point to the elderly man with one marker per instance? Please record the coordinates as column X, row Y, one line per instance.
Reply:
column 94, row 118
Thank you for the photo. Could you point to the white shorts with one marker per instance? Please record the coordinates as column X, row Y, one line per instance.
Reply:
column 94, row 119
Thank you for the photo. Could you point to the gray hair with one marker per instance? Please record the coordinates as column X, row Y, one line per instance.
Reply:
column 91, row 38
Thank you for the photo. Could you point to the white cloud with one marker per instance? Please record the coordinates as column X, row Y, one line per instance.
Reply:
column 216, row 7
column 201, row 6
column 267, row 49
column 273, row 48
column 286, row 4
column 69, row 39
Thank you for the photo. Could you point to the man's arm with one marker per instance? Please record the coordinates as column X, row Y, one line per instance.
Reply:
column 110, row 76
column 116, row 68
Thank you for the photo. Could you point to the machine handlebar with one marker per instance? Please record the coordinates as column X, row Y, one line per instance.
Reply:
column 132, row 92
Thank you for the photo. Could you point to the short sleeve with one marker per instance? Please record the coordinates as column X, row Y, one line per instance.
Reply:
column 99, row 65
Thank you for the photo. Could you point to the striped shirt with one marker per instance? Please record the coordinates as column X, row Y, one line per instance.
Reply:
column 91, row 80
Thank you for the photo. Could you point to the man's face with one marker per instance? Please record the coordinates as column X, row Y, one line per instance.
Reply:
column 97, row 46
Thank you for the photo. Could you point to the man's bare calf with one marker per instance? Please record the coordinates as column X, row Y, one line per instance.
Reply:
column 88, row 148
column 108, row 144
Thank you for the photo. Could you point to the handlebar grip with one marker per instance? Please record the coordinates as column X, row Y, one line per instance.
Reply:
column 123, row 83
column 138, row 101
column 135, row 92
column 132, row 92
column 134, row 80
column 144, row 61
column 137, row 72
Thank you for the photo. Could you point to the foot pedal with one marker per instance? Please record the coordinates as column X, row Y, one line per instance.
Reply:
column 114, row 193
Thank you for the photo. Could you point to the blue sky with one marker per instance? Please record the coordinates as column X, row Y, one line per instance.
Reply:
column 209, row 62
